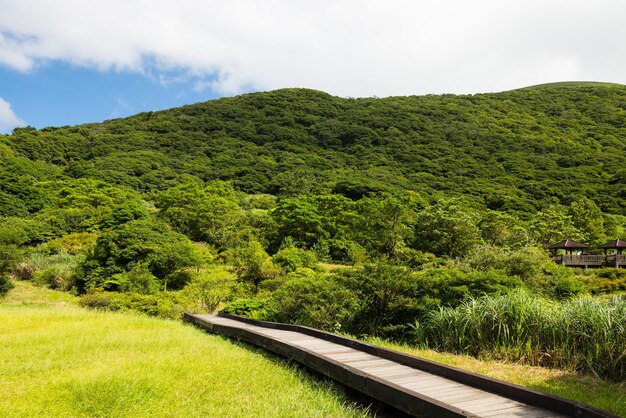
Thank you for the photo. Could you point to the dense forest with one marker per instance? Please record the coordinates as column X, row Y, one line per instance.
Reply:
column 370, row 216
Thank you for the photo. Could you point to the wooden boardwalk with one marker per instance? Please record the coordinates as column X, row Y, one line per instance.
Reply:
column 415, row 386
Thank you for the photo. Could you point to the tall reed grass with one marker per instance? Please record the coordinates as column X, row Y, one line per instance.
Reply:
column 583, row 334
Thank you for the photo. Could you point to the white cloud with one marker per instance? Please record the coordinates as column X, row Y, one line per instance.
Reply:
column 8, row 119
column 345, row 47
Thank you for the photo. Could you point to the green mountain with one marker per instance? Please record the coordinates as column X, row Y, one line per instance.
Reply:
column 515, row 151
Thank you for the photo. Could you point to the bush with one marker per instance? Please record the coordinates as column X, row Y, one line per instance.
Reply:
column 58, row 271
column 447, row 286
column 319, row 302
column 291, row 258
column 24, row 271
column 608, row 280
column 74, row 243
column 163, row 305
column 208, row 290
column 252, row 308
column 532, row 266
column 5, row 285
column 388, row 298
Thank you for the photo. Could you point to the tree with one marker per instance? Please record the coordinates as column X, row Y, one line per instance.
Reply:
column 252, row 264
column 503, row 230
column 386, row 222
column 587, row 219
column 552, row 225
column 207, row 214
column 447, row 228
column 298, row 217
column 165, row 253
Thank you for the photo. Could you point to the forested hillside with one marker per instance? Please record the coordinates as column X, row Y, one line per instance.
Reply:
column 365, row 215
column 516, row 151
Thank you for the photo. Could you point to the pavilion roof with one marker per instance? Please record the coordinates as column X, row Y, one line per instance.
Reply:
column 568, row 243
column 618, row 243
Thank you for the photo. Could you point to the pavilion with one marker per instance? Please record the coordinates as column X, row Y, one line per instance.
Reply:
column 571, row 259
column 618, row 245
column 568, row 245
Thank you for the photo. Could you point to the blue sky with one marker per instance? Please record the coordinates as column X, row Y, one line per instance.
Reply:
column 60, row 94
column 68, row 62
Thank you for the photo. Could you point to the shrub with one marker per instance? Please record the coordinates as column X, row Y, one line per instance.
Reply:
column 291, row 258
column 447, row 286
column 208, row 290
column 57, row 271
column 138, row 279
column 532, row 266
column 74, row 243
column 164, row 305
column 252, row 308
column 608, row 280
column 319, row 302
column 24, row 271
column 387, row 295
column 5, row 285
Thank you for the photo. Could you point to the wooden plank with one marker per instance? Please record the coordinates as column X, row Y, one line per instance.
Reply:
column 483, row 407
column 368, row 363
column 391, row 371
column 524, row 411
column 461, row 395
column 337, row 349
column 349, row 356
column 452, row 389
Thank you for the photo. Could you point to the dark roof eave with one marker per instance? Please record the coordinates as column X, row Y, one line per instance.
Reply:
column 567, row 244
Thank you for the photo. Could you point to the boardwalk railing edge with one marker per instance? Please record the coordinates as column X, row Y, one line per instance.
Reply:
column 391, row 394
column 499, row 387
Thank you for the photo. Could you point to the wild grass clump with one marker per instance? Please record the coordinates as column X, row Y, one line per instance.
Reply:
column 583, row 334
column 57, row 271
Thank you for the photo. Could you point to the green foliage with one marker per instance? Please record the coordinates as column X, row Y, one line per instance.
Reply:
column 530, row 264
column 207, row 214
column 447, row 228
column 5, row 284
column 315, row 301
column 606, row 280
column 552, row 225
column 57, row 271
column 166, row 255
column 252, row 264
column 252, row 308
column 139, row 279
column 210, row 289
column 290, row 258
column 387, row 298
column 434, row 199
column 583, row 334
column 163, row 305
column 74, row 243
column 587, row 218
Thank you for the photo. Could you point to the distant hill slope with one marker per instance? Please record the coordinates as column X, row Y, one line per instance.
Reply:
column 572, row 84
column 516, row 151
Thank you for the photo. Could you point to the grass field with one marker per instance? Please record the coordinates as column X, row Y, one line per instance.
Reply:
column 58, row 360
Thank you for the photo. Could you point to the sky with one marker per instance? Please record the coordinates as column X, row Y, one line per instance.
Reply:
column 67, row 62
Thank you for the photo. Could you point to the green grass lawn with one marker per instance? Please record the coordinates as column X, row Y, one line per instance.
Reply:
column 58, row 360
